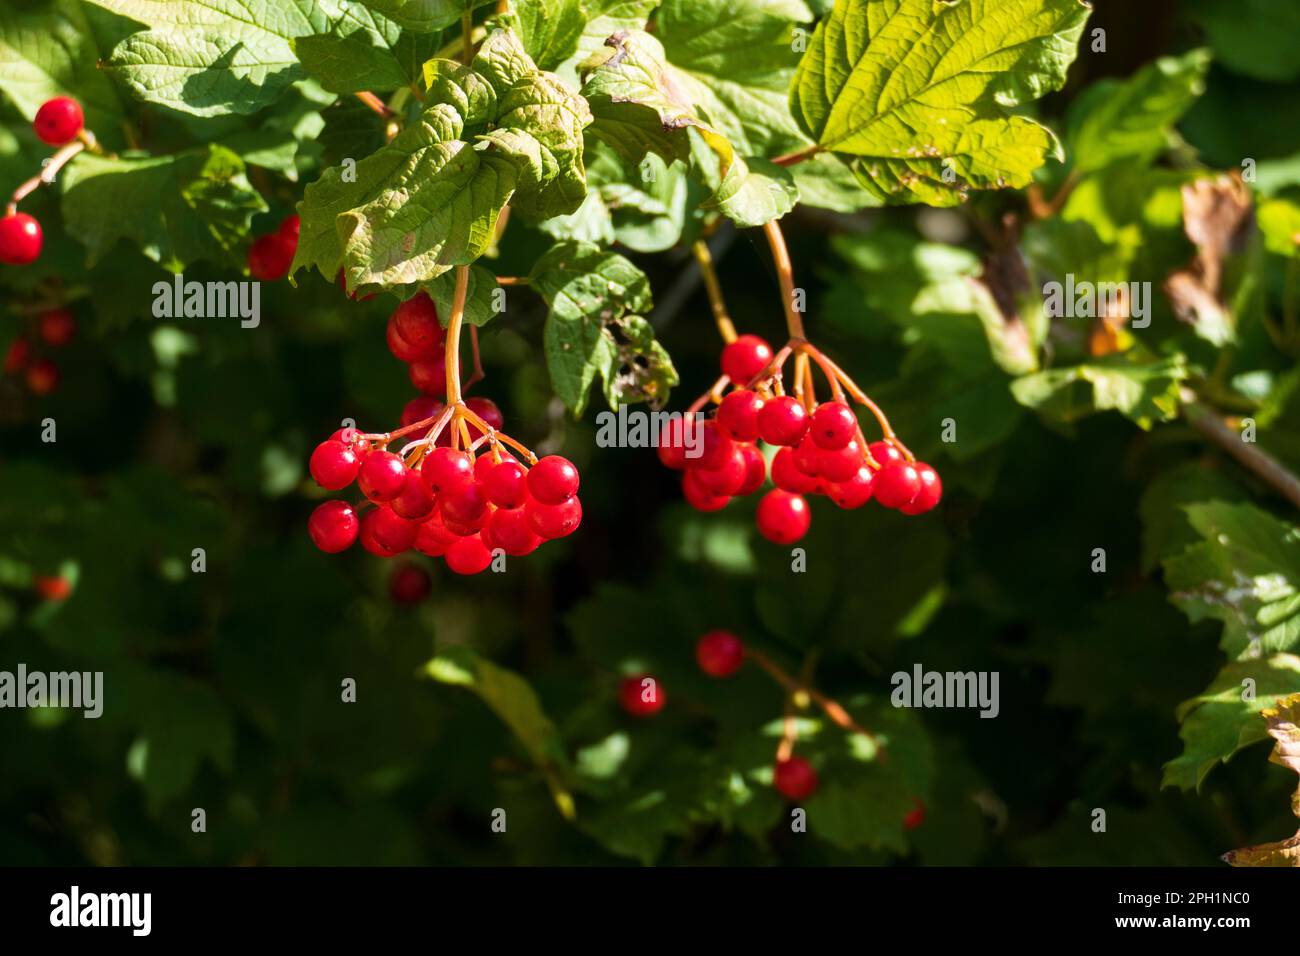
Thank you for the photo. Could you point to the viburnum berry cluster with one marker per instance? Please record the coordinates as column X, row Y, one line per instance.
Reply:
column 60, row 123
column 820, row 448
column 462, row 489
column 52, row 329
column 271, row 255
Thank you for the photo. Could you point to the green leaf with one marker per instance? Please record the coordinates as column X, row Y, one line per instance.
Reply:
column 1279, row 221
column 594, row 330
column 480, row 306
column 1133, row 119
column 1253, row 37
column 424, row 203
column 364, row 51
column 1245, row 573
column 550, row 29
column 189, row 206
column 1221, row 720
column 424, row 16
column 1165, row 528
column 755, row 191
column 1144, row 391
column 209, row 57
column 918, row 91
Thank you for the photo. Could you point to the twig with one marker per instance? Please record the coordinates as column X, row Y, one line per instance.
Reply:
column 1254, row 459
column 711, row 285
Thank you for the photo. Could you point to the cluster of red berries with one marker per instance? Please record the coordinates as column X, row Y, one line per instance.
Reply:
column 271, row 255
column 55, row 329
column 820, row 450
column 58, row 122
column 450, row 497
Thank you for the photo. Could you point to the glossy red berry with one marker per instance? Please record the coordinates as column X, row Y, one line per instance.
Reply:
column 840, row 464
column 554, row 521
column 429, row 376
column 738, row 414
column 671, row 442
column 916, row 816
column 20, row 239
column 52, row 587
column 433, row 537
column 807, row 456
column 405, row 351
column 708, row 448
column 409, row 584
column 510, row 530
column 42, row 377
column 18, row 356
column 833, row 425
column 270, row 256
column 468, row 555
column 641, row 696
column 333, row 526
column 462, row 503
column 795, row 778
column 782, row 421
column 415, row 501
column 855, row 492
column 487, row 410
column 782, row 517
column 745, row 358
column 445, row 468
column 289, row 229
column 420, row 408
column 728, row 477
column 787, row 475
column 896, row 484
column 386, row 533
column 58, row 121
column 928, row 495
column 382, row 476
column 755, row 469
column 506, row 483
column 720, row 653
column 883, row 452
column 553, row 480
column 334, row 465
column 416, row 321
column 699, row 497
column 57, row 327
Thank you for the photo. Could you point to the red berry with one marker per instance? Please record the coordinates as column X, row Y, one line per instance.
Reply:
column 896, row 484
column 506, row 483
column 445, row 468
column 710, row 449
column 929, row 494
column 43, row 377
column 855, row 492
column 641, row 696
column 289, row 229
column 553, row 480
column 57, row 327
column 782, row 421
column 462, row 503
column 487, row 410
column 20, row 239
column 840, row 464
column 386, row 533
column 59, row 120
column 883, row 452
column 720, row 653
column 416, row 321
column 738, row 414
column 19, row 354
column 415, row 502
column 728, row 477
column 671, row 442
column 270, row 256
column 468, row 555
column 429, row 376
column 52, row 587
column 755, row 469
column 745, row 358
column 787, row 475
column 916, row 816
column 699, row 497
column 405, row 351
column 434, row 538
column 511, row 532
column 409, row 584
column 783, row 518
column 333, row 526
column 833, row 425
column 382, row 476
column 420, row 409
column 807, row 457
column 795, row 778
column 334, row 465
column 554, row 521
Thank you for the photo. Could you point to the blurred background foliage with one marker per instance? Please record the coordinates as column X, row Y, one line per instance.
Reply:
column 223, row 688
